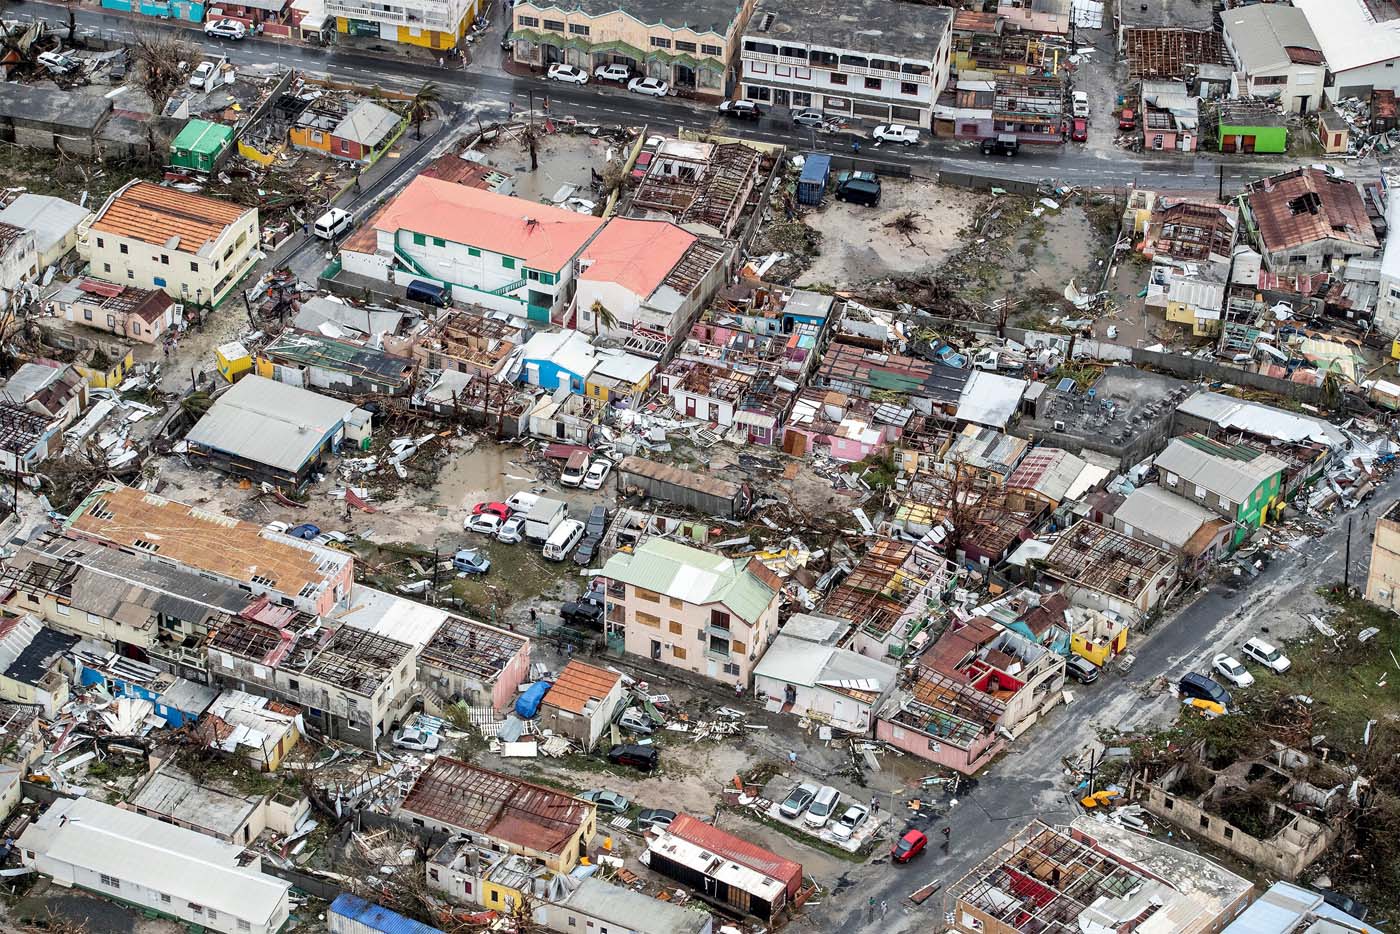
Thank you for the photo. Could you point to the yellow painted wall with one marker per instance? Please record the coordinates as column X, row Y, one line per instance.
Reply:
column 232, row 369
column 261, row 158
column 306, row 138
column 498, row 897
column 109, row 378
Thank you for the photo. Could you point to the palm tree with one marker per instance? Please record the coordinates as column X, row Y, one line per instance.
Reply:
column 421, row 107
column 602, row 316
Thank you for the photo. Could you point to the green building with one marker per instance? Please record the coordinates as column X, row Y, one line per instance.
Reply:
column 1252, row 126
column 199, row 145
column 1234, row 481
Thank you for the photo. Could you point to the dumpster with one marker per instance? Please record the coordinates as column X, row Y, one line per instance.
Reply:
column 811, row 186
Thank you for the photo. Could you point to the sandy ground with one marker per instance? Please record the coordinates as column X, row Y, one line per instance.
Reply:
column 565, row 159
column 857, row 246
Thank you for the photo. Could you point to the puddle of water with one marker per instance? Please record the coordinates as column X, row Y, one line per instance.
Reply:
column 469, row 477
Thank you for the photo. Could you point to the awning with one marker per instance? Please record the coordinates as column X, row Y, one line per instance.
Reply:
column 754, row 419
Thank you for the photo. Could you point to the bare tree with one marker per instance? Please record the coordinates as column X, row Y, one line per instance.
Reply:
column 160, row 59
column 961, row 494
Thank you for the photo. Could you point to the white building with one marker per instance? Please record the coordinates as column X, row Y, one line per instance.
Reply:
column 432, row 24
column 831, row 685
column 53, row 221
column 503, row 253
column 19, row 260
column 1276, row 55
column 1362, row 50
column 869, row 60
column 1388, row 301
column 178, row 873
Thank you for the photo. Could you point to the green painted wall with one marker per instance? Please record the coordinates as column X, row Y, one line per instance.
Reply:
column 1266, row 138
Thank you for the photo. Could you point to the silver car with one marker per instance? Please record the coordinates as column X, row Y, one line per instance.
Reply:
column 797, row 800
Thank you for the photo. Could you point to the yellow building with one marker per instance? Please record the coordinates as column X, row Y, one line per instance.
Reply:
column 106, row 373
column 232, row 360
column 431, row 24
column 1195, row 303
column 619, row 376
column 1383, row 578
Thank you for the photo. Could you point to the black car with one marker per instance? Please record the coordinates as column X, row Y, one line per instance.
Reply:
column 741, row 110
column 1082, row 670
column 582, row 613
column 1004, row 145
column 587, row 550
column 1200, row 687
column 645, row 758
column 859, row 191
column 506, row 41
column 597, row 522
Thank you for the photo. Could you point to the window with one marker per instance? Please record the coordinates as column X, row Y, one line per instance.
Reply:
column 573, row 922
column 473, row 251
column 213, row 915
column 124, row 249
column 578, row 29
column 685, row 46
column 555, row 24
column 647, row 595
column 87, row 314
column 719, row 620
column 678, row 652
column 719, row 645
column 675, row 628
column 507, row 262
column 659, row 43
column 1171, row 803
column 194, row 267
column 197, row 909
column 159, row 281
column 130, row 274
column 801, row 98
column 647, row 619
column 164, row 899
column 420, row 240
column 908, row 87
column 438, row 241
column 1229, row 833
column 1297, row 260
column 738, row 647
column 676, row 604
column 1205, row 821
column 136, row 325
column 838, row 79
column 112, row 882
column 731, row 669
column 100, row 244
column 873, row 84
column 1271, row 79
column 529, row 20
column 711, row 49
column 106, row 267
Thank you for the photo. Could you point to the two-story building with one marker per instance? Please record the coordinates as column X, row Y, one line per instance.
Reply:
column 503, row 253
column 834, row 59
column 1234, row 481
column 1305, row 220
column 1276, row 55
column 691, row 46
column 431, row 24
column 692, row 609
column 192, row 247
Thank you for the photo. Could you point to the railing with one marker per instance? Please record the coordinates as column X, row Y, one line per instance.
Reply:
column 410, row 262
column 842, row 68
column 508, row 287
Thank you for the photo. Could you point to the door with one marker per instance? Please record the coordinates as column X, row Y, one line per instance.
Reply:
column 655, row 651
column 841, row 710
column 782, row 97
column 712, row 668
column 690, row 406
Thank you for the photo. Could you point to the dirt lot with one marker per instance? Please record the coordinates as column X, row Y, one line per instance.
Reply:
column 858, row 244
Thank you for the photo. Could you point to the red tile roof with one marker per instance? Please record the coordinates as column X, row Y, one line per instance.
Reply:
column 739, row 850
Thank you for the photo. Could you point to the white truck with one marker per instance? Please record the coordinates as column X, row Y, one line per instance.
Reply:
column 544, row 516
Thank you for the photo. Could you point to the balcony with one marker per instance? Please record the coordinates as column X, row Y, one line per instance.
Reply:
column 779, row 59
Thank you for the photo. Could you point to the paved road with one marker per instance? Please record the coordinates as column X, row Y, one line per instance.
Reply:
column 489, row 93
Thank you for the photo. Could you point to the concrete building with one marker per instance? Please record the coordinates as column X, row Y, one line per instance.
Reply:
column 1159, row 517
column 173, row 796
column 431, row 24
column 688, row 46
column 47, row 388
column 49, row 119
column 1360, row 43
column 1285, row 908
column 1304, row 220
column 19, row 261
column 169, row 871
column 53, row 221
column 493, row 250
column 193, row 247
column 33, row 667
column 1387, row 317
column 250, row 727
column 1235, row 481
column 823, row 683
column 501, row 812
column 581, row 703
column 730, row 870
column 1383, row 577
column 826, row 57
column 1106, row 570
column 138, row 314
column 692, row 609
column 594, row 905
column 1276, row 56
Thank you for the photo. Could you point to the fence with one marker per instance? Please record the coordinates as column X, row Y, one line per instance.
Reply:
column 1017, row 186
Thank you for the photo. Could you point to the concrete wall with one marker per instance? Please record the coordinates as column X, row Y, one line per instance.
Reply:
column 1383, row 580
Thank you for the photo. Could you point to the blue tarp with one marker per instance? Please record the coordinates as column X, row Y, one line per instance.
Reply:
column 528, row 704
column 812, row 183
column 375, row 917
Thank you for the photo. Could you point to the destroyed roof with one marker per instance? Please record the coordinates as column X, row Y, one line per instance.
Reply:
column 695, row 576
column 689, row 479
column 52, row 219
column 451, row 167
column 238, row 721
column 990, row 399
column 1265, row 421
column 1285, row 908
column 530, row 816
column 1262, row 35
column 171, row 792
column 539, row 236
column 340, row 356
column 708, row 16
column 263, row 421
column 167, row 218
column 47, row 384
column 568, row 350
column 907, row 30
column 29, row 649
column 150, row 305
column 638, row 255
column 359, row 661
column 155, row 856
column 1100, row 558
column 1164, row 515
column 578, row 685
column 1168, row 13
column 1234, row 471
column 810, row 664
column 1350, row 33
column 367, row 124
column 20, row 429
column 388, row 614
column 625, row 908
column 736, row 849
column 1306, row 205
column 473, row 648
column 318, row 311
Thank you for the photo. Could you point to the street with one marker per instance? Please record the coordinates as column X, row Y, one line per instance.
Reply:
column 485, row 91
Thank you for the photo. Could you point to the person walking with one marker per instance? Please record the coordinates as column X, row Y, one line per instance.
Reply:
column 947, row 835
column 884, row 907
column 875, row 804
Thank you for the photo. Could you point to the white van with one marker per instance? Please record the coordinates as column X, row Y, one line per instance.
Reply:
column 563, row 540
column 521, row 502
column 332, row 224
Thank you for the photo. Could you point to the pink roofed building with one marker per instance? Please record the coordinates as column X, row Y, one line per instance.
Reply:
column 653, row 277
column 488, row 249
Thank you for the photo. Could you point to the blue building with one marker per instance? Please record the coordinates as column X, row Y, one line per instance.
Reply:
column 163, row 9
column 176, row 700
column 558, row 359
column 351, row 914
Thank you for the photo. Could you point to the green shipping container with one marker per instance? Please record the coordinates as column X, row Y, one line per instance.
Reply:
column 199, row 145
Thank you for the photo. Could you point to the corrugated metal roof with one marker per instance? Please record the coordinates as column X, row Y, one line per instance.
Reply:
column 270, row 423
column 1216, row 469
column 577, row 684
column 738, row 850
column 166, row 217
column 695, row 576
column 374, row 916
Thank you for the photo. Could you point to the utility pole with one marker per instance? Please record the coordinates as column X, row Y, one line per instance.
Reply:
column 1346, row 569
column 1220, row 173
column 433, row 600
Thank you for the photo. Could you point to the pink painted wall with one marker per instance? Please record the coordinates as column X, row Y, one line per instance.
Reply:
column 966, row 761
column 510, row 678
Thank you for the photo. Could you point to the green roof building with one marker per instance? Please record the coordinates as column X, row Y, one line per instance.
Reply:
column 199, row 145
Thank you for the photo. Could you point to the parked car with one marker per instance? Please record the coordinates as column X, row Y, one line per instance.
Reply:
column 597, row 473
column 859, row 191
column 511, row 531
column 471, row 561
column 1229, row 668
column 1127, row 119
column 597, row 522
column 225, row 29
column 417, row 740
column 1265, row 654
column 822, row 807
column 575, row 469
column 569, row 74
column 1079, row 130
column 202, row 72
column 810, row 119
column 654, row 87
column 1200, row 687
column 908, row 846
column 587, row 550
column 1005, row 144
column 582, row 612
column 305, row 531
column 740, row 110
column 645, row 758
column 498, row 509
column 659, row 818
column 619, row 73
column 280, row 527
column 1344, row 903
column 61, row 64
column 507, row 41
column 1080, row 104
column 895, row 133
column 607, row 800
column 487, row 523
column 563, row 540
column 636, row 721
column 797, row 800
column 1082, row 670
column 849, row 821
column 521, row 502
column 337, row 540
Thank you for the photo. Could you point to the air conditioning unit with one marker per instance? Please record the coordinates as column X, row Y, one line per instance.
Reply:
column 1059, row 425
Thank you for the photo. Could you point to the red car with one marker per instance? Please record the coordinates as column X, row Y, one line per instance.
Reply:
column 498, row 509
column 1127, row 120
column 1079, row 132
column 909, row 846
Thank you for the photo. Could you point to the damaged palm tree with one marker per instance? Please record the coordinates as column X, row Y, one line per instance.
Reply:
column 906, row 224
column 161, row 59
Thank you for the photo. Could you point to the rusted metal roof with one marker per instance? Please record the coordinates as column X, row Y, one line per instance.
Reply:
column 166, row 217
column 578, row 684
column 738, row 850
column 1307, row 205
